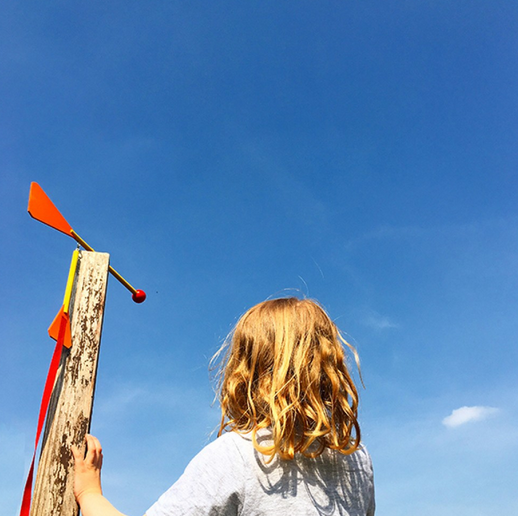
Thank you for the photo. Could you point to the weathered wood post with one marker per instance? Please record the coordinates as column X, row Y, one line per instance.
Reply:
column 70, row 410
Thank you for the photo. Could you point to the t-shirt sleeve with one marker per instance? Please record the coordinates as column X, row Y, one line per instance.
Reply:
column 372, row 503
column 212, row 484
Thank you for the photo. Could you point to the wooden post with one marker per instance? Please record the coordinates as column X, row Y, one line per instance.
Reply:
column 70, row 409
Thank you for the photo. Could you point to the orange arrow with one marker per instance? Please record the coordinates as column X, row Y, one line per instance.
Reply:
column 43, row 209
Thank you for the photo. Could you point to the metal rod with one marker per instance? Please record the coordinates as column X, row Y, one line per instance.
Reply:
column 81, row 242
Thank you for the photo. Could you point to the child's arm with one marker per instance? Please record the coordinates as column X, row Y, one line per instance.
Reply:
column 87, row 481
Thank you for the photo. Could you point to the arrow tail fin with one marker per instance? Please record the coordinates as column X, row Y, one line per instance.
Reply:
column 42, row 208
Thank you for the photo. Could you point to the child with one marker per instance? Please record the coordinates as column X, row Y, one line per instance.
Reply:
column 289, row 439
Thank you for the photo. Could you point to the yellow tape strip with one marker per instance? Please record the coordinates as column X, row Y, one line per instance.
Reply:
column 70, row 281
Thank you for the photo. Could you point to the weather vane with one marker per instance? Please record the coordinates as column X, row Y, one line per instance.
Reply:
column 67, row 401
column 43, row 209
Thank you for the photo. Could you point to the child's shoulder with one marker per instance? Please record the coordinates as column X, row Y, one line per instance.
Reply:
column 222, row 453
column 234, row 440
column 361, row 458
column 228, row 443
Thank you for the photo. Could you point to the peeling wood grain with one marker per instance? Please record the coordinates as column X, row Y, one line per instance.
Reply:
column 70, row 409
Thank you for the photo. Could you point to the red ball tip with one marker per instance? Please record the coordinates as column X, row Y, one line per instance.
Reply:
column 139, row 296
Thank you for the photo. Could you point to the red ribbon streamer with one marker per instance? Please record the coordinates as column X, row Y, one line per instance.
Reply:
column 47, row 393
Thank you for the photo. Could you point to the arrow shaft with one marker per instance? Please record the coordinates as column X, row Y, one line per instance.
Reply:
column 114, row 273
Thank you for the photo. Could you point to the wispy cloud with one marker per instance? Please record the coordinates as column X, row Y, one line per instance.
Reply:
column 464, row 415
column 388, row 232
column 377, row 321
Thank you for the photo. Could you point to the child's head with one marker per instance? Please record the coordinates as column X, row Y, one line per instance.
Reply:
column 285, row 370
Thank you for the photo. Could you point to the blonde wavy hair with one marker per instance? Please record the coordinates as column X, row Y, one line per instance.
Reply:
column 283, row 368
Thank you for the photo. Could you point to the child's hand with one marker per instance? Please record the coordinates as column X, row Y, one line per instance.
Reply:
column 88, row 470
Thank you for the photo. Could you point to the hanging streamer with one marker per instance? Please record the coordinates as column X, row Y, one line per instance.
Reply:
column 59, row 330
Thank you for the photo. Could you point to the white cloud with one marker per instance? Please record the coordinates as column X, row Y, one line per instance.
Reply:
column 378, row 322
column 465, row 415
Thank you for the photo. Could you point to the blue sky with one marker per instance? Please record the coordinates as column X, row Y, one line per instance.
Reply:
column 361, row 153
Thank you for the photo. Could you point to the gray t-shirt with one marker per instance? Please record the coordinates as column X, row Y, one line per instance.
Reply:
column 229, row 477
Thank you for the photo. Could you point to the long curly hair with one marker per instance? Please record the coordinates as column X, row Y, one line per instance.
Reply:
column 283, row 368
